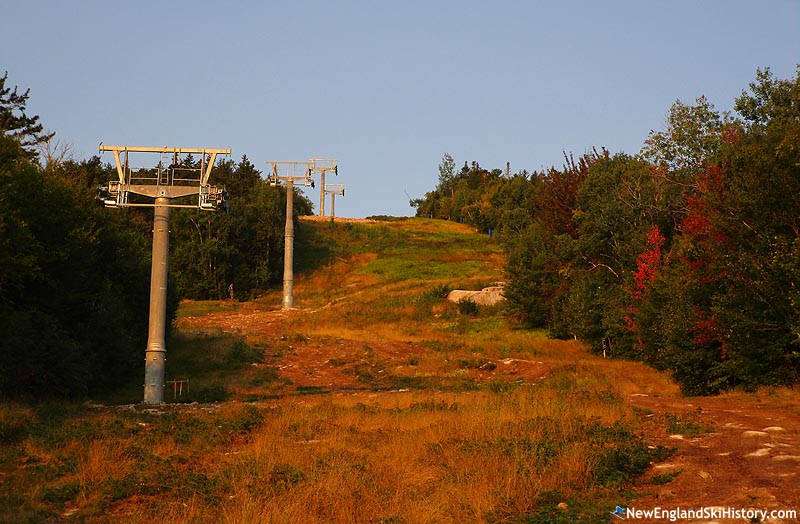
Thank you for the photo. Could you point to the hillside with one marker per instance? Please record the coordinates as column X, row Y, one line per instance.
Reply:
column 376, row 400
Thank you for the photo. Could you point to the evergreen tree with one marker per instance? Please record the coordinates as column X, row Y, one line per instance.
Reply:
column 73, row 285
column 15, row 123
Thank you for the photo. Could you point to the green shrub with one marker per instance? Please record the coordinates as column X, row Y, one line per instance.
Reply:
column 684, row 425
column 467, row 307
column 436, row 293
column 14, row 427
column 241, row 354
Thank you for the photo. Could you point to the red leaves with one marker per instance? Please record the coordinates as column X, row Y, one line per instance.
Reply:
column 702, row 228
column 647, row 263
column 555, row 200
column 701, row 223
column 731, row 134
column 556, row 196
column 707, row 332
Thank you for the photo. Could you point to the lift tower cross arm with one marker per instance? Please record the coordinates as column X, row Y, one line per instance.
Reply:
column 173, row 150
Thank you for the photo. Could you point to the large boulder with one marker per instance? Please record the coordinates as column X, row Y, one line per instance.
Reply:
column 488, row 296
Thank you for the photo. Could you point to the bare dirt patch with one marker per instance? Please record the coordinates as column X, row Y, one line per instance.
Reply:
column 334, row 363
column 745, row 454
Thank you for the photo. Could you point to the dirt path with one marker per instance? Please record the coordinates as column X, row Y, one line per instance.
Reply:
column 340, row 364
column 750, row 458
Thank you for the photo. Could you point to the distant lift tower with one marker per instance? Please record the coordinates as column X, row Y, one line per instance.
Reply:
column 289, row 172
column 321, row 166
column 169, row 184
column 333, row 190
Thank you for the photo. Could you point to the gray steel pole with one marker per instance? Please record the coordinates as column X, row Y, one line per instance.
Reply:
column 333, row 206
column 288, row 249
column 322, row 193
column 155, row 355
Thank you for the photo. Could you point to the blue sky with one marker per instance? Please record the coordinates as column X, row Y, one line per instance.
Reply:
column 386, row 88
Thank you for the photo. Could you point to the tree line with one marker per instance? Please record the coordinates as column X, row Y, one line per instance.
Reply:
column 74, row 277
column 685, row 255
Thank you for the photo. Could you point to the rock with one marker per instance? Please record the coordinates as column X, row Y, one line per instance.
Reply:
column 488, row 296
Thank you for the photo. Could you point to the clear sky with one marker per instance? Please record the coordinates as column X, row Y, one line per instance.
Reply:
column 386, row 88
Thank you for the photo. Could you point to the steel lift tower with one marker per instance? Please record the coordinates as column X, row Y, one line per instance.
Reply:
column 163, row 187
column 333, row 190
column 289, row 172
column 321, row 166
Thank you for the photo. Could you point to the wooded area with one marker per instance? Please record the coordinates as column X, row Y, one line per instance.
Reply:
column 684, row 255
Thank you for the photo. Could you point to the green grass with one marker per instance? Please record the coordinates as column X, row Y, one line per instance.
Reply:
column 213, row 367
column 685, row 425
column 395, row 268
column 407, row 249
column 666, row 478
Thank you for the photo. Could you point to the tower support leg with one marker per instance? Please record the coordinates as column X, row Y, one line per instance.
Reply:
column 288, row 249
column 156, row 353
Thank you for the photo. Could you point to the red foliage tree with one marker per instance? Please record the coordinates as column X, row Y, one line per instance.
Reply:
column 556, row 196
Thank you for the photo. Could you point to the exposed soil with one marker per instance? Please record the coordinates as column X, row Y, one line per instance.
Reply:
column 739, row 451
column 332, row 363
column 750, row 458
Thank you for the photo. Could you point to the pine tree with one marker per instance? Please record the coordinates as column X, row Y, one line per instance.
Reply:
column 14, row 122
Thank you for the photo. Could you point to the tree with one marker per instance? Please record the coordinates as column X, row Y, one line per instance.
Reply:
column 447, row 172
column 692, row 136
column 15, row 123
column 617, row 209
column 771, row 99
column 554, row 203
column 239, row 251
column 73, row 285
column 724, row 312
column 686, row 256
column 537, row 265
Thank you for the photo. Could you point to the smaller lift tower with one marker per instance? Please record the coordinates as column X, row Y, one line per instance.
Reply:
column 289, row 172
column 322, row 166
column 333, row 190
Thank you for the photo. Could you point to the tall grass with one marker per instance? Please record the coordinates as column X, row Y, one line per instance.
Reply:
column 415, row 456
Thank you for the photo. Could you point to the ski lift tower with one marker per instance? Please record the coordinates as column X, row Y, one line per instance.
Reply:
column 289, row 172
column 170, row 184
column 333, row 190
column 323, row 165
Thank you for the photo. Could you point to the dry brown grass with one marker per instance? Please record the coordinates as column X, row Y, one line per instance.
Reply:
column 402, row 457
